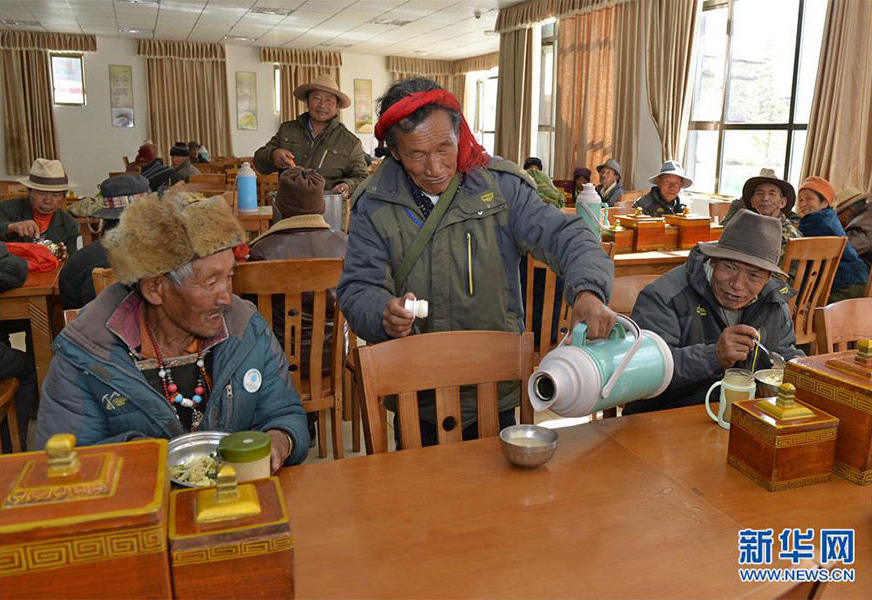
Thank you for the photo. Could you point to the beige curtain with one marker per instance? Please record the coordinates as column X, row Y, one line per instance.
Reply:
column 584, row 132
column 671, row 27
column 485, row 62
column 28, row 119
column 629, row 33
column 515, row 95
column 532, row 12
column 187, row 94
column 839, row 143
column 298, row 67
column 440, row 71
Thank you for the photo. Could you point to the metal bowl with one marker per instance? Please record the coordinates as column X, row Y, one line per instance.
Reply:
column 765, row 389
column 190, row 446
column 528, row 446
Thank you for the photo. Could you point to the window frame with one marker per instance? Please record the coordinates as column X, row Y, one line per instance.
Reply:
column 551, row 41
column 722, row 126
column 81, row 58
column 477, row 130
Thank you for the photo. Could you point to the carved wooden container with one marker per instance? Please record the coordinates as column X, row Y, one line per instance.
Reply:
column 670, row 238
column 621, row 237
column 841, row 384
column 649, row 233
column 780, row 443
column 691, row 229
column 85, row 522
column 231, row 541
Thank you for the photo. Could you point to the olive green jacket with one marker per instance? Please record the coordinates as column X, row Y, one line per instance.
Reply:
column 335, row 153
column 62, row 229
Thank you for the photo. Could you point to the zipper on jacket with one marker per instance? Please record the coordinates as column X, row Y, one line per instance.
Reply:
column 469, row 261
column 323, row 156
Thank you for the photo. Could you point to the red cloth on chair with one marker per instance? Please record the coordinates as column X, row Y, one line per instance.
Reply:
column 39, row 258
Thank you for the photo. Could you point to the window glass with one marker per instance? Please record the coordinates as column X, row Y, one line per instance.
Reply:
column 797, row 151
column 67, row 79
column 277, row 89
column 708, row 80
column 702, row 157
column 746, row 152
column 543, row 149
column 813, row 16
column 546, row 84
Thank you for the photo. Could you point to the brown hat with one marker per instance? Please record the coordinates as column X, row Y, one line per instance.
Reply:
column 325, row 83
column 786, row 189
column 301, row 192
column 848, row 197
column 156, row 235
column 749, row 238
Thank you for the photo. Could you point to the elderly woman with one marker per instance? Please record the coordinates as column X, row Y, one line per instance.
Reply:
column 663, row 197
column 441, row 220
column 39, row 215
column 815, row 206
column 169, row 349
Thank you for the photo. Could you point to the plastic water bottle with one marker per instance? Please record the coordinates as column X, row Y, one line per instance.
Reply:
column 246, row 185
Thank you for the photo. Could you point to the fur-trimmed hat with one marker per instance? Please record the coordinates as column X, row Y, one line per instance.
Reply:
column 156, row 235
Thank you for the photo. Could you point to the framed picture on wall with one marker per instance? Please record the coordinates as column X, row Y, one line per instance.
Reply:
column 246, row 100
column 363, row 105
column 121, row 95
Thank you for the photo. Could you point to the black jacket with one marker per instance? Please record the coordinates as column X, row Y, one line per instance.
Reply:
column 13, row 269
column 655, row 206
column 681, row 308
column 75, row 281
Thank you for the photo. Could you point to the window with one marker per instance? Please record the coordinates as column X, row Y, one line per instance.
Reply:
column 277, row 89
column 547, row 81
column 68, row 80
column 752, row 90
column 484, row 127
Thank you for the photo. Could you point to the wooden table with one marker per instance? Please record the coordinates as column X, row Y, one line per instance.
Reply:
column 256, row 221
column 639, row 506
column 32, row 301
column 649, row 263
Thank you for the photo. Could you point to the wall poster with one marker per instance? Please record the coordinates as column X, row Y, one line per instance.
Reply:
column 363, row 105
column 121, row 95
column 246, row 100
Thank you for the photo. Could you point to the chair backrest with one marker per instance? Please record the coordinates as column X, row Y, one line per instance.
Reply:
column 291, row 279
column 626, row 290
column 622, row 208
column 868, row 292
column 547, row 308
column 266, row 184
column 631, row 196
column 609, row 248
column 719, row 208
column 564, row 185
column 205, row 168
column 442, row 361
column 204, row 187
column 812, row 262
column 213, row 179
column 102, row 279
column 840, row 324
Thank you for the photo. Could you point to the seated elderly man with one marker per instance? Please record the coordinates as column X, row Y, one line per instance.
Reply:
column 710, row 310
column 181, row 161
column 855, row 215
column 39, row 216
column 169, row 349
column 610, row 188
column 663, row 198
column 545, row 188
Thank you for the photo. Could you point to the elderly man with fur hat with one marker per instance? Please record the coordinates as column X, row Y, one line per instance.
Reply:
column 710, row 310
column 855, row 215
column 39, row 216
column 168, row 349
column 317, row 140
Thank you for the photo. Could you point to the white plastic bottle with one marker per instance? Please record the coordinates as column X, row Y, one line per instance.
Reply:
column 246, row 185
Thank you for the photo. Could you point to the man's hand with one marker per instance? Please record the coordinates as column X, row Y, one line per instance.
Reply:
column 734, row 344
column 280, row 449
column 282, row 158
column 24, row 229
column 588, row 308
column 396, row 320
column 342, row 188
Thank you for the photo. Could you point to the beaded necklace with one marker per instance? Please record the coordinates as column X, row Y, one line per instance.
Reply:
column 171, row 390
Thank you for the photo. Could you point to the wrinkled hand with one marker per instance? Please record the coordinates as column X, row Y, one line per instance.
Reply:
column 396, row 320
column 280, row 449
column 734, row 344
column 342, row 188
column 24, row 229
column 282, row 158
column 588, row 308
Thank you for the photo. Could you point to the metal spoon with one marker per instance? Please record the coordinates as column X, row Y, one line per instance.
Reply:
column 776, row 359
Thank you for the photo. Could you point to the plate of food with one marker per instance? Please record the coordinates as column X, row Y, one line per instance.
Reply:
column 193, row 458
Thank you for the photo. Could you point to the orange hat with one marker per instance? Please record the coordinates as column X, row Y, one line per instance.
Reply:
column 821, row 186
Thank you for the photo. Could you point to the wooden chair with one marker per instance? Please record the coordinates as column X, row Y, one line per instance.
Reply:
column 206, row 188
column 351, row 394
column 621, row 208
column 609, row 248
column 815, row 260
column 442, row 361
column 8, row 388
column 547, row 314
column 265, row 185
column 626, row 290
column 868, row 292
column 209, row 168
column 102, row 279
column 215, row 180
column 719, row 209
column 631, row 196
column 838, row 325
column 293, row 278
column 69, row 315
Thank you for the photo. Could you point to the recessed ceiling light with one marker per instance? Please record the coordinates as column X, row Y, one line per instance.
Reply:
column 421, row 52
column 154, row 2
column 490, row 33
column 20, row 23
column 135, row 31
column 336, row 44
column 264, row 10
column 238, row 38
column 391, row 22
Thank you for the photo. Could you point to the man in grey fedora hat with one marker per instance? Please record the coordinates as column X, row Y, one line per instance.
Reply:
column 710, row 310
column 610, row 188
column 663, row 197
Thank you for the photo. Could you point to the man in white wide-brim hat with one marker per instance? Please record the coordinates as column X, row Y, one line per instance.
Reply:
column 317, row 139
column 39, row 216
column 667, row 184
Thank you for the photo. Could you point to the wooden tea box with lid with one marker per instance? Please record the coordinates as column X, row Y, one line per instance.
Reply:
column 691, row 229
column 231, row 541
column 780, row 443
column 841, row 384
column 670, row 238
column 86, row 522
column 649, row 233
column 622, row 239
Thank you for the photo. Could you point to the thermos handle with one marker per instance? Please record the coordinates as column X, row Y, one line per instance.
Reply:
column 637, row 333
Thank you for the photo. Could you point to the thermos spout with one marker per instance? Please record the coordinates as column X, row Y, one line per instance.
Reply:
column 543, row 387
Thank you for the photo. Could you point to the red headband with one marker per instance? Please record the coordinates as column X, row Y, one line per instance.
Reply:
column 470, row 154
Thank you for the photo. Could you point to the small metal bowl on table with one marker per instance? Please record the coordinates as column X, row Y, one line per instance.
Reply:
column 190, row 446
column 528, row 446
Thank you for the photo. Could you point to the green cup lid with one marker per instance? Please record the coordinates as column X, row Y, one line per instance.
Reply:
column 244, row 446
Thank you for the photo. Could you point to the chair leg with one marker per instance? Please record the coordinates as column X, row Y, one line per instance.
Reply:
column 347, row 402
column 322, row 433
column 336, row 423
column 12, row 422
column 354, row 392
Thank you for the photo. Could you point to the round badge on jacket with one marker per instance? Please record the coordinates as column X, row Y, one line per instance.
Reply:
column 251, row 380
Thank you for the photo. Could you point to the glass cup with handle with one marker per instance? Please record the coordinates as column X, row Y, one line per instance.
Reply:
column 737, row 384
